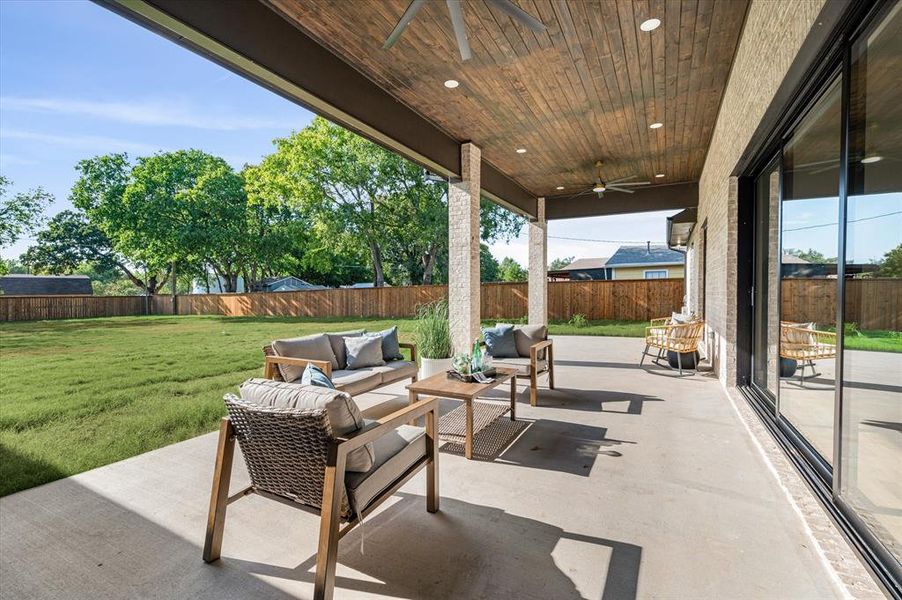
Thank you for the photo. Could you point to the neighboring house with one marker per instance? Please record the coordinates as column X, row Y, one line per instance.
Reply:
column 651, row 261
column 362, row 284
column 285, row 284
column 288, row 283
column 45, row 285
column 582, row 269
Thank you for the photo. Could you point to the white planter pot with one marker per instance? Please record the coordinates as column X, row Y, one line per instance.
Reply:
column 431, row 366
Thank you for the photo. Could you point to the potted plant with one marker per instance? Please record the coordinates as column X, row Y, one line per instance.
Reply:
column 433, row 337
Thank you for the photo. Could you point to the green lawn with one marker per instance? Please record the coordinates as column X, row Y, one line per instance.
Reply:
column 79, row 394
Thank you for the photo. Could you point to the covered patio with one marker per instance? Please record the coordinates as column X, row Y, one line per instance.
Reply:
column 625, row 483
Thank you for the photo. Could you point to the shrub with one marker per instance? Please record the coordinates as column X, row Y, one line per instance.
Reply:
column 578, row 321
column 433, row 331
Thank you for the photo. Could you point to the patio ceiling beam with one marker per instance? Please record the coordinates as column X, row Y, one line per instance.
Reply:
column 255, row 42
column 644, row 199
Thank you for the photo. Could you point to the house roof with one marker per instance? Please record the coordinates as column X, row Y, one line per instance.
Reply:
column 45, row 285
column 583, row 264
column 653, row 254
column 792, row 259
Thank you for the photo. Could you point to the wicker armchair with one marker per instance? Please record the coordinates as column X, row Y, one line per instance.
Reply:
column 804, row 344
column 293, row 456
column 665, row 336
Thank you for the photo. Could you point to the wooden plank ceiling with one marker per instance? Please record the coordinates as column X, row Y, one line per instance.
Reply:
column 586, row 89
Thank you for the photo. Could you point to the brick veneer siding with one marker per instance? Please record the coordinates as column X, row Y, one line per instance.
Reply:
column 538, row 267
column 771, row 37
column 463, row 250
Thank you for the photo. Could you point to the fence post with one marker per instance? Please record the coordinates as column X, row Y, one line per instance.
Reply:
column 175, row 297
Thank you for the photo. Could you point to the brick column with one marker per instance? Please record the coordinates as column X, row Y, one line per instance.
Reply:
column 463, row 251
column 538, row 267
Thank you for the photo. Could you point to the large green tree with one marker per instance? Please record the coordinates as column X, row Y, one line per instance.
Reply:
column 20, row 214
column 364, row 199
column 891, row 265
column 510, row 270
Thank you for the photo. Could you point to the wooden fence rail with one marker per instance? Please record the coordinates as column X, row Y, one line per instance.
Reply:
column 870, row 303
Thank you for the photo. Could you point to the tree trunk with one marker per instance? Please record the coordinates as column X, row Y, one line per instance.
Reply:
column 376, row 253
column 429, row 266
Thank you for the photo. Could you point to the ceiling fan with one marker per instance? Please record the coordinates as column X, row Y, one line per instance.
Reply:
column 457, row 22
column 621, row 184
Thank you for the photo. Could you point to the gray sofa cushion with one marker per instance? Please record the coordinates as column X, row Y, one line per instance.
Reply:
column 315, row 347
column 396, row 452
column 522, row 365
column 527, row 335
column 344, row 415
column 337, row 340
column 357, row 381
column 363, row 351
column 396, row 370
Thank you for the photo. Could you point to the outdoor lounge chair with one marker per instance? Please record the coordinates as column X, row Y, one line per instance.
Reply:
column 804, row 344
column 536, row 356
column 665, row 335
column 308, row 447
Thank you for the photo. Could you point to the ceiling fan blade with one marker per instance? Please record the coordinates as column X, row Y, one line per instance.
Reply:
column 618, row 180
column 460, row 29
column 577, row 194
column 515, row 12
column 630, row 183
column 617, row 189
column 412, row 9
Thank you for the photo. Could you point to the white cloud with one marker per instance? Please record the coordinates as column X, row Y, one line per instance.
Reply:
column 90, row 142
column 145, row 112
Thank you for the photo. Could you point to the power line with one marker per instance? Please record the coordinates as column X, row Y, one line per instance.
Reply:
column 889, row 214
column 573, row 239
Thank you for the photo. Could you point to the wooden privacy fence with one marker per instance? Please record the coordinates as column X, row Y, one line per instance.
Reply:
column 36, row 308
column 627, row 300
column 870, row 303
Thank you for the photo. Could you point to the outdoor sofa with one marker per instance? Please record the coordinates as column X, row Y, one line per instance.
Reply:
column 309, row 447
column 285, row 360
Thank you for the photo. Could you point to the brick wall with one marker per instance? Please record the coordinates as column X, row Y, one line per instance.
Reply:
column 771, row 37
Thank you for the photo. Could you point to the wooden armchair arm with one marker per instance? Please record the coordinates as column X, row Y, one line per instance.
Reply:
column 356, row 439
column 272, row 362
column 536, row 348
column 413, row 349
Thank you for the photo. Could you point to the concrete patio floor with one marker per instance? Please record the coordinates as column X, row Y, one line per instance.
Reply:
column 627, row 483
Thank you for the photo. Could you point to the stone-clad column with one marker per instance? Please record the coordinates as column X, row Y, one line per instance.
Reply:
column 463, row 251
column 538, row 267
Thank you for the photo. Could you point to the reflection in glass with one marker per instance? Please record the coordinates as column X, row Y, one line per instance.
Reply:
column 766, row 313
column 808, row 283
column 871, row 452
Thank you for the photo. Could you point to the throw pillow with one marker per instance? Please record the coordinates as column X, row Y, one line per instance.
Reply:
column 527, row 335
column 679, row 318
column 338, row 346
column 363, row 352
column 313, row 375
column 499, row 341
column 314, row 347
column 391, row 349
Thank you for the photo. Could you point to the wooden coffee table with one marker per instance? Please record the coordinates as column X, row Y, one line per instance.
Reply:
column 444, row 386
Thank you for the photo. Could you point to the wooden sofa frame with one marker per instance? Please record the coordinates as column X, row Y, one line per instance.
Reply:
column 270, row 366
column 330, row 531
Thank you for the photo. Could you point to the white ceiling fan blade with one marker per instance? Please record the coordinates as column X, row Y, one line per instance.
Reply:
column 618, row 180
column 517, row 13
column 617, row 189
column 460, row 29
column 412, row 9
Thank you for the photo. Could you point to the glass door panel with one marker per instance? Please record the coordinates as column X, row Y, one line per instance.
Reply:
column 766, row 315
column 808, row 268
column 871, row 450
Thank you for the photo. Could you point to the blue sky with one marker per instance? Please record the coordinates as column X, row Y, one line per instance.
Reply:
column 77, row 80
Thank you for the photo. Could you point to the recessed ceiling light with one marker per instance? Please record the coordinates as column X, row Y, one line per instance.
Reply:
column 560, row 187
column 650, row 25
column 656, row 125
column 871, row 159
column 451, row 84
column 660, row 175
column 521, row 150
